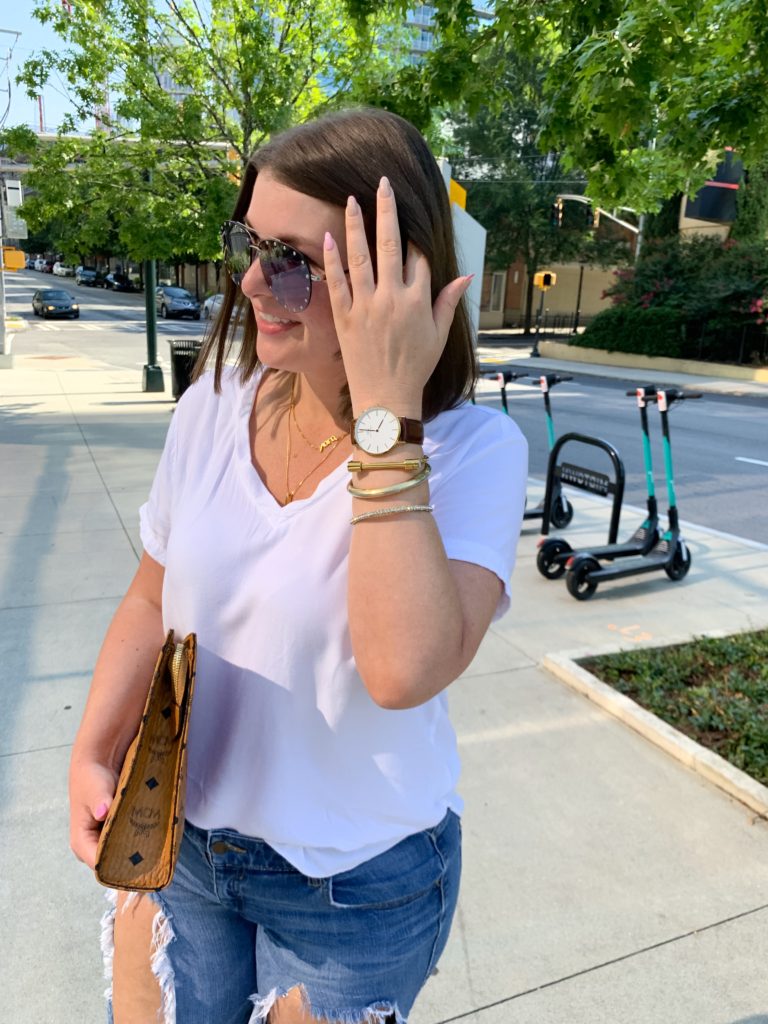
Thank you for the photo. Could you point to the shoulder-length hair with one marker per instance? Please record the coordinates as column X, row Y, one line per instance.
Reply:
column 331, row 158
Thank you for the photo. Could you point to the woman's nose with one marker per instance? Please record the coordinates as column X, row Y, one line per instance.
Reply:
column 253, row 282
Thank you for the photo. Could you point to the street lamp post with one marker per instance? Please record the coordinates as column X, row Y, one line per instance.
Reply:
column 152, row 378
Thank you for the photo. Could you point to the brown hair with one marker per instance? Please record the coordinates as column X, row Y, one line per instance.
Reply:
column 331, row 158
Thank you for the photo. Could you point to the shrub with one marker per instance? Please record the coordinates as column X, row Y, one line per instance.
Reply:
column 699, row 298
column 713, row 690
column 650, row 332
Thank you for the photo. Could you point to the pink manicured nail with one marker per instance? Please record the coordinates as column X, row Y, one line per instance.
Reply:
column 384, row 187
column 468, row 278
column 328, row 242
column 352, row 206
column 101, row 811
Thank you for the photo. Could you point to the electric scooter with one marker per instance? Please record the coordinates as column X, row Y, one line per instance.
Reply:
column 671, row 555
column 560, row 509
column 554, row 552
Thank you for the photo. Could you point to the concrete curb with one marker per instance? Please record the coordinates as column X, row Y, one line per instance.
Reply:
column 653, row 364
column 711, row 766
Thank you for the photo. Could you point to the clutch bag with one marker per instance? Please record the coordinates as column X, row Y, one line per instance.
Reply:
column 139, row 842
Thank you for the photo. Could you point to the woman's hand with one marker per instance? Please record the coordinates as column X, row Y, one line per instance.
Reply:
column 390, row 334
column 91, row 790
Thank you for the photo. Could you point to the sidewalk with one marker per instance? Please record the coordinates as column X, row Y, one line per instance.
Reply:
column 604, row 883
column 492, row 349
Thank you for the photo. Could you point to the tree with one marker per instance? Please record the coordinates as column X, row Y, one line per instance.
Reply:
column 512, row 186
column 183, row 91
column 644, row 95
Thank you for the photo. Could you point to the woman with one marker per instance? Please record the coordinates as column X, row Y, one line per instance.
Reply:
column 336, row 589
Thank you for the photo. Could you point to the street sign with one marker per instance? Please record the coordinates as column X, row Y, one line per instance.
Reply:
column 14, row 195
column 544, row 279
column 13, row 225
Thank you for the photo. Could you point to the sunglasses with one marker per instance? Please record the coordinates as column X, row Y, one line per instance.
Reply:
column 285, row 269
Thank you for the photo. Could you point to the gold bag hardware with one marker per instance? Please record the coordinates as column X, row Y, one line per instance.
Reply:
column 140, row 839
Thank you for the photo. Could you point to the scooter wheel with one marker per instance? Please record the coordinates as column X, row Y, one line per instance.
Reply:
column 562, row 513
column 576, row 579
column 680, row 564
column 545, row 559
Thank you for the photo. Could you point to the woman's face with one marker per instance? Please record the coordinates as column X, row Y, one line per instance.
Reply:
column 307, row 342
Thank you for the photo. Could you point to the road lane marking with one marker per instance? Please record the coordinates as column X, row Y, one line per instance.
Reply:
column 754, row 462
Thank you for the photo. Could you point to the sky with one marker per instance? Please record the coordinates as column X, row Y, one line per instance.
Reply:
column 17, row 16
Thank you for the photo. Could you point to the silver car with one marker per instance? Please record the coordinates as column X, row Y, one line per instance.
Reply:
column 176, row 302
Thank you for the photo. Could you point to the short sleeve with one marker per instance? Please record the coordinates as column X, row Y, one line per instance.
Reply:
column 155, row 514
column 480, row 498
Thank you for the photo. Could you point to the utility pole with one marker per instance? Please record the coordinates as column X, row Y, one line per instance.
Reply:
column 6, row 359
column 5, row 355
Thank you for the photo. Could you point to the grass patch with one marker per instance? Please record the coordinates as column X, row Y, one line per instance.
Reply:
column 715, row 691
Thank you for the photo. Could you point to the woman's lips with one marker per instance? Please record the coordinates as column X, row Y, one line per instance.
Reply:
column 269, row 327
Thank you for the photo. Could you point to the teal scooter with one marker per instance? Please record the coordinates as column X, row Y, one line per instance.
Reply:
column 561, row 509
column 671, row 555
column 555, row 553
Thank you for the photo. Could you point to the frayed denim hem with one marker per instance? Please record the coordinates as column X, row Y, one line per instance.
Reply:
column 379, row 1013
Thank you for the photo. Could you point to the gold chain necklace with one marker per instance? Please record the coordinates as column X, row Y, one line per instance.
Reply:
column 332, row 439
column 331, row 443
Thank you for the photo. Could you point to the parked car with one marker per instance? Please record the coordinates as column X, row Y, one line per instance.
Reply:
column 63, row 269
column 30, row 264
column 50, row 302
column 86, row 275
column 47, row 267
column 118, row 283
column 212, row 305
column 38, row 265
column 176, row 302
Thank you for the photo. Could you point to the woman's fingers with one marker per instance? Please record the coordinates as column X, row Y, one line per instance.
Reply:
column 444, row 309
column 358, row 253
column 389, row 251
column 338, row 289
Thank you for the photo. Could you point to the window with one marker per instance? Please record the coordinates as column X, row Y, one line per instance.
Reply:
column 493, row 292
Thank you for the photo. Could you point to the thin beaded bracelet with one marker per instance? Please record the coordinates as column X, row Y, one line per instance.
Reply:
column 382, row 492
column 394, row 510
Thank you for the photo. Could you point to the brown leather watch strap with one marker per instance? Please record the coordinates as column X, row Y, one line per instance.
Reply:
column 411, row 431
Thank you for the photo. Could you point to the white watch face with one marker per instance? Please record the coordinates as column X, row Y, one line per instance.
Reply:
column 377, row 430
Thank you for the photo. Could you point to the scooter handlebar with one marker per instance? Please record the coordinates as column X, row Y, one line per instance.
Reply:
column 649, row 389
column 549, row 380
column 678, row 395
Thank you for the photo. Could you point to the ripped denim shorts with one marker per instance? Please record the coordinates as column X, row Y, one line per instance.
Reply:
column 239, row 927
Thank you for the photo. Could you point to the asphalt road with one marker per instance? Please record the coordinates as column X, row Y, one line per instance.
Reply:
column 112, row 325
column 719, row 443
column 711, row 439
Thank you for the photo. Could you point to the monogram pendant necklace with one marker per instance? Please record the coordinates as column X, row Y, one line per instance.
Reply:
column 330, row 443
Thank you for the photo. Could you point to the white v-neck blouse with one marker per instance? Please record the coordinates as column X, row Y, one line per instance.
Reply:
column 285, row 743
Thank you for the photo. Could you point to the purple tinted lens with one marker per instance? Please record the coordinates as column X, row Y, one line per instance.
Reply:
column 287, row 275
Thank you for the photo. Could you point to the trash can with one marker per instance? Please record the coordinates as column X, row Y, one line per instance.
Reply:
column 184, row 353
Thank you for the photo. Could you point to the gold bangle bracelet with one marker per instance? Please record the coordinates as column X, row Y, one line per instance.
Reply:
column 376, row 513
column 417, row 465
column 382, row 492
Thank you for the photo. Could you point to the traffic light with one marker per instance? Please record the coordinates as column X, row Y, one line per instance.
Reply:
column 557, row 213
column 591, row 217
column 545, row 279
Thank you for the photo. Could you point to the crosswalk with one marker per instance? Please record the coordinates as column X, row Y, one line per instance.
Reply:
column 126, row 326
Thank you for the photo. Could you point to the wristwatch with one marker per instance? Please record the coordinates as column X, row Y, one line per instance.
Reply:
column 377, row 430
